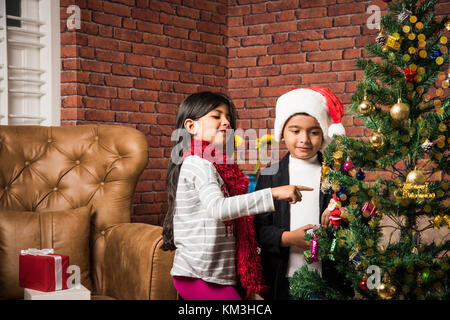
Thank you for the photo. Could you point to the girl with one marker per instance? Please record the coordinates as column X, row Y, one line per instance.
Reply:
column 207, row 197
column 304, row 122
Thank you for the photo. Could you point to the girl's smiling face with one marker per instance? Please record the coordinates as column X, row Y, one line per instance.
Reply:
column 303, row 136
column 212, row 126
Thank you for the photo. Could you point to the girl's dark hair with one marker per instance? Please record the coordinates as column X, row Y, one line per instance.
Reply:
column 193, row 107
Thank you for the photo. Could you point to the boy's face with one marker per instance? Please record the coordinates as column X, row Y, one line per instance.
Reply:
column 303, row 136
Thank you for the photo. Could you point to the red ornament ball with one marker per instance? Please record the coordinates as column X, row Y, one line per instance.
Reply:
column 363, row 285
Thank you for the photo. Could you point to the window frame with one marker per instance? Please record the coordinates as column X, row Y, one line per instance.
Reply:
column 49, row 61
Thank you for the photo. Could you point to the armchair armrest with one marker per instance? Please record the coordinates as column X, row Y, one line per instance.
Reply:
column 134, row 265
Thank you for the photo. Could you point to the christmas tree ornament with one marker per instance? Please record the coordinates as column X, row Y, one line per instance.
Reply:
column 335, row 212
column 360, row 175
column 416, row 177
column 419, row 25
column 377, row 139
column 366, row 107
column 447, row 25
column 355, row 258
column 416, row 187
column 394, row 41
column 348, row 165
column 422, row 54
column 435, row 54
column 312, row 256
column 410, row 74
column 381, row 38
column 363, row 285
column 411, row 36
column 427, row 145
column 404, row 15
column 369, row 209
column 386, row 290
column 443, row 40
column 406, row 29
column 413, row 19
column 399, row 111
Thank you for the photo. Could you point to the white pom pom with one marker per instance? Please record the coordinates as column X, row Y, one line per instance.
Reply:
column 336, row 129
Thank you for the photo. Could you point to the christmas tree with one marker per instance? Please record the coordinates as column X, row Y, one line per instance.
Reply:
column 402, row 98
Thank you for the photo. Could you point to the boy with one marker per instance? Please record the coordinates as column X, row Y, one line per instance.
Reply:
column 304, row 122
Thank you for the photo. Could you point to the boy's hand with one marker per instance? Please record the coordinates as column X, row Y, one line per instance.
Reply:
column 296, row 237
column 289, row 193
column 326, row 218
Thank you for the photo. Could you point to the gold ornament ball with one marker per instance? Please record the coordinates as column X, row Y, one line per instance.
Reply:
column 416, row 177
column 386, row 290
column 377, row 140
column 366, row 107
column 400, row 111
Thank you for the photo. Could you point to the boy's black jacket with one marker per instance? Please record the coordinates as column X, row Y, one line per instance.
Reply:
column 269, row 227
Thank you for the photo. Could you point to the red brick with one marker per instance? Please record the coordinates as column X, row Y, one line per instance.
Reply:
column 96, row 103
column 104, row 92
column 324, row 56
column 287, row 26
column 344, row 9
column 319, row 78
column 315, row 23
column 110, row 56
column 107, row 19
column 289, row 58
column 264, row 71
column 259, row 19
column 284, row 80
column 336, row 44
column 311, row 13
column 139, row 60
column 147, row 84
column 343, row 32
column 344, row 65
column 284, row 48
column 118, row 81
column 144, row 95
column 252, row 51
column 257, row 40
column 117, row 9
column 125, row 70
column 100, row 115
column 297, row 68
column 128, row 35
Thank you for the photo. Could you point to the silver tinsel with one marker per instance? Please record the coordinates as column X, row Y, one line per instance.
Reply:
column 404, row 15
column 427, row 145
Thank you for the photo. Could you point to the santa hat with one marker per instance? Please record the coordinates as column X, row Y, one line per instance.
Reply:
column 316, row 101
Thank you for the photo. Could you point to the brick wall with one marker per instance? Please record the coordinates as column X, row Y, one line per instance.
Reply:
column 133, row 61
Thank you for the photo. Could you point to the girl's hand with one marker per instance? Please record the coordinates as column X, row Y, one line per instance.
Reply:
column 325, row 220
column 289, row 193
column 296, row 237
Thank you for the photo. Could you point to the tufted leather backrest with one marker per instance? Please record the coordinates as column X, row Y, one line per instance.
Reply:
column 58, row 168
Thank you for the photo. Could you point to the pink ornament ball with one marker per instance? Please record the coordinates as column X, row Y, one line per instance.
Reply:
column 348, row 165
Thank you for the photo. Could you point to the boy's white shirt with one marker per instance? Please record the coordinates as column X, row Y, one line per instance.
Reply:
column 305, row 173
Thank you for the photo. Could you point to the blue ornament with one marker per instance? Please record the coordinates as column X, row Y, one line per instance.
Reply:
column 360, row 175
column 342, row 189
column 435, row 54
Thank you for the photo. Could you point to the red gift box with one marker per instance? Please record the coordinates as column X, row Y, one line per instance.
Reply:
column 43, row 270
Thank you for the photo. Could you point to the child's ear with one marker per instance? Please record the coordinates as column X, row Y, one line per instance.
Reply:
column 189, row 125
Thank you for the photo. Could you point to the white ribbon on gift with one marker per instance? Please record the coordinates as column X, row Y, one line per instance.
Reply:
column 48, row 253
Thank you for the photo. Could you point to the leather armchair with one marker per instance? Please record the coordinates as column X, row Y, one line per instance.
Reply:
column 60, row 168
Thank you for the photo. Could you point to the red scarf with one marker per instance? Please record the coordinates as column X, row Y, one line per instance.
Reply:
column 249, row 267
